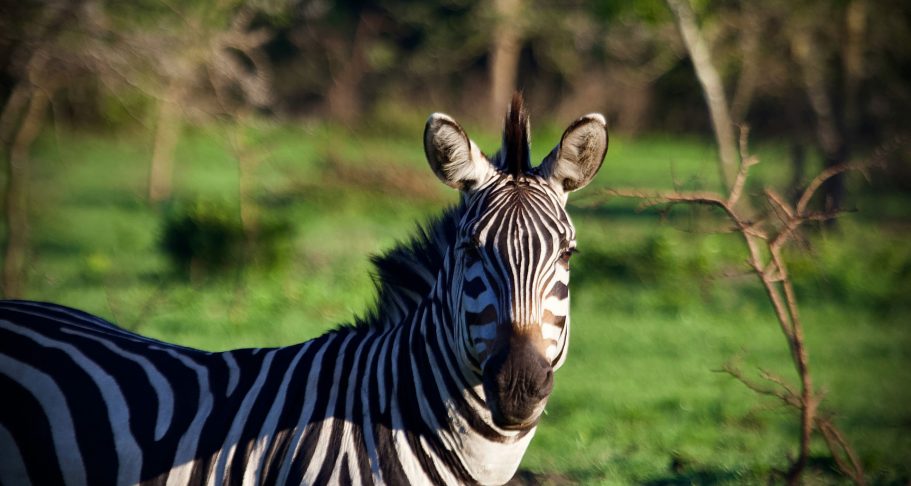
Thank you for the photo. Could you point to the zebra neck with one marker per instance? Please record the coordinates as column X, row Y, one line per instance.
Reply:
column 417, row 412
column 437, row 388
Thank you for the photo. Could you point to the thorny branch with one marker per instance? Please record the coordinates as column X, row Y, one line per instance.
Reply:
column 764, row 237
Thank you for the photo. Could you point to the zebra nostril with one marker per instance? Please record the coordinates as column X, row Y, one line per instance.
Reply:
column 543, row 382
column 548, row 383
column 519, row 379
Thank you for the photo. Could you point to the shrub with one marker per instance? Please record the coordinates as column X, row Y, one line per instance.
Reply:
column 871, row 271
column 202, row 237
column 207, row 238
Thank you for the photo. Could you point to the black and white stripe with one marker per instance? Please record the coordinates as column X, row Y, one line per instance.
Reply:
column 404, row 396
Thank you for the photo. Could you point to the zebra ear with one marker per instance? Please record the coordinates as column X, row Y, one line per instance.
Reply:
column 454, row 158
column 573, row 163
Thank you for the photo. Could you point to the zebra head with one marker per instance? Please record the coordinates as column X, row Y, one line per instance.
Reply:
column 509, row 266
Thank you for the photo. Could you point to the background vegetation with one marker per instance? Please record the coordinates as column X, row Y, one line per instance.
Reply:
column 217, row 175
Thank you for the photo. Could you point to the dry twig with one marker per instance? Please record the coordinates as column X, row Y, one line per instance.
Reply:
column 764, row 238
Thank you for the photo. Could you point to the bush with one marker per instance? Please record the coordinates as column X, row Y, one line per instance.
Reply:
column 207, row 237
column 202, row 237
column 869, row 270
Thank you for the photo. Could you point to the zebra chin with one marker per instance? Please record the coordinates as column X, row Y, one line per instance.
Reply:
column 517, row 379
column 513, row 423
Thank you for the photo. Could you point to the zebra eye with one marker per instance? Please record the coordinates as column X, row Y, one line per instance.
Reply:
column 566, row 255
column 470, row 249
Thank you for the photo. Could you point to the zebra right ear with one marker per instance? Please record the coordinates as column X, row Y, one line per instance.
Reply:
column 574, row 162
column 454, row 158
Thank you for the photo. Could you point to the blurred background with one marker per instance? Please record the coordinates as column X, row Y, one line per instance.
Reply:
column 217, row 174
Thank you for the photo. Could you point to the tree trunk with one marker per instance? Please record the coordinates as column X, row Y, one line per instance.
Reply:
column 711, row 88
column 853, row 59
column 750, row 40
column 167, row 132
column 12, row 112
column 17, row 194
column 828, row 134
column 344, row 96
column 504, row 56
column 853, row 65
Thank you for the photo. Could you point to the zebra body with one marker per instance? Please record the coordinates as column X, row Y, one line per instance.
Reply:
column 442, row 384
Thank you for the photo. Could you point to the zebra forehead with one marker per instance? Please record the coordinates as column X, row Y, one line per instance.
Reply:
column 520, row 208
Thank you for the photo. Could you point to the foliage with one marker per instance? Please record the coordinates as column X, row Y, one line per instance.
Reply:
column 621, row 58
column 206, row 238
column 202, row 237
column 831, row 270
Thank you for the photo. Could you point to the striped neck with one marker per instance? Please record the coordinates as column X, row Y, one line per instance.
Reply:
column 439, row 394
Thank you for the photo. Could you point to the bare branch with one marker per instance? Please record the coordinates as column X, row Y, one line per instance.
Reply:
column 775, row 279
column 823, row 176
column 786, row 397
column 746, row 161
column 773, row 378
column 837, row 443
column 779, row 203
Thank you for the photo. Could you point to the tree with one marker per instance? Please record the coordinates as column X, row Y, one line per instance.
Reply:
column 505, row 46
column 40, row 69
column 226, row 55
column 814, row 44
column 712, row 88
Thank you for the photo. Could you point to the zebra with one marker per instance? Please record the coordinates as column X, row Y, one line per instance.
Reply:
column 443, row 382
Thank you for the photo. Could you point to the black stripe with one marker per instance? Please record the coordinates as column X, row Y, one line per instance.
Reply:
column 294, row 403
column 344, row 474
column 410, row 412
column 138, row 393
column 320, row 411
column 94, row 435
column 21, row 414
column 159, row 457
column 361, row 372
column 474, row 287
column 390, row 466
column 338, row 425
column 224, row 409
column 332, row 448
column 259, row 411
column 488, row 314
column 560, row 291
column 454, row 392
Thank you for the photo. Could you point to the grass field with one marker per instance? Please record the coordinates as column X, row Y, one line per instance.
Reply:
column 637, row 402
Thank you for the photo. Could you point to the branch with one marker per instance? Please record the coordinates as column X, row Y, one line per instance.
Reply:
column 779, row 203
column 788, row 397
column 746, row 161
column 776, row 281
column 823, row 176
column 654, row 198
column 836, row 442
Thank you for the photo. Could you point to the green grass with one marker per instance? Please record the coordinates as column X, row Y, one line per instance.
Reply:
column 637, row 401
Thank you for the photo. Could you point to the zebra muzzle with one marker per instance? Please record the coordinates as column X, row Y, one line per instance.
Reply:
column 517, row 381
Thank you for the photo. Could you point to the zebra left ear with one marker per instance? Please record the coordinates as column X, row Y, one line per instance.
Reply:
column 573, row 163
column 454, row 158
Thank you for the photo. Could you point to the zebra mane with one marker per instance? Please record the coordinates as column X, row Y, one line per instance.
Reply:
column 405, row 274
column 514, row 157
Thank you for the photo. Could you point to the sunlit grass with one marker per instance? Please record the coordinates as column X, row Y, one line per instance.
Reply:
column 637, row 402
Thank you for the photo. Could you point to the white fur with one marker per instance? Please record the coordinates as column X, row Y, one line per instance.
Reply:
column 455, row 159
column 575, row 161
